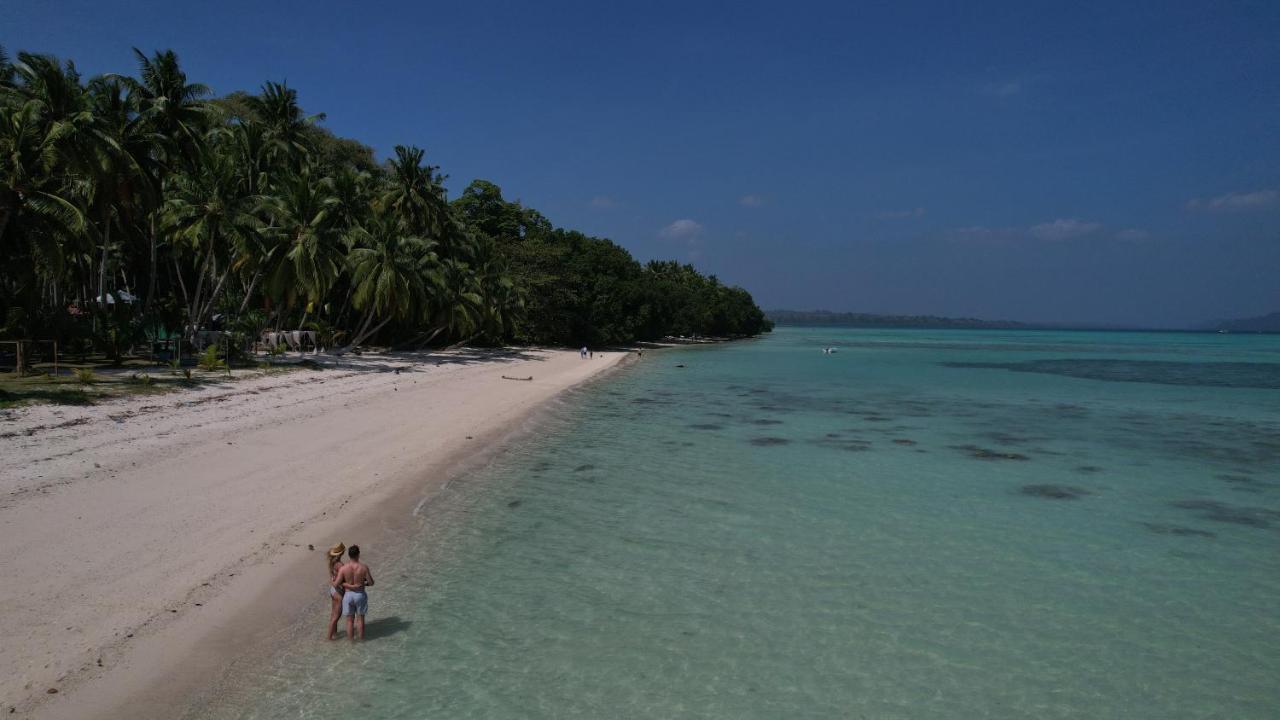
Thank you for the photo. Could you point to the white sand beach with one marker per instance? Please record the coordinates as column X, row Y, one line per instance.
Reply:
column 143, row 540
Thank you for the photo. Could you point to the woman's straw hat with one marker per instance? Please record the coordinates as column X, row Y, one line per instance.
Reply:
column 337, row 550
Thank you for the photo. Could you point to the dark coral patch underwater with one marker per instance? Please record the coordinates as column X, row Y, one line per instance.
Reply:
column 1055, row 492
column 982, row 453
column 1159, row 372
column 1234, row 514
column 1160, row 529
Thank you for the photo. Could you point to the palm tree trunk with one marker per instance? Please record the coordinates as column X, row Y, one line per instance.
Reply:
column 6, row 211
column 151, row 281
column 198, row 295
column 213, row 298
column 364, row 334
column 461, row 343
column 102, row 267
column 253, row 284
column 182, row 284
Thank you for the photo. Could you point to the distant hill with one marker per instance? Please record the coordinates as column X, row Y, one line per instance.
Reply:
column 1265, row 323
column 826, row 317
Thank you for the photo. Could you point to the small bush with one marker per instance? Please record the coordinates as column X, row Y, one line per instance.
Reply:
column 85, row 376
column 209, row 359
column 141, row 379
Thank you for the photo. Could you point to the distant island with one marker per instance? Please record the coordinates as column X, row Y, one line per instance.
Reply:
column 847, row 319
column 1264, row 323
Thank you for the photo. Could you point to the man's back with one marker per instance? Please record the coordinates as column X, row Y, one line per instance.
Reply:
column 355, row 576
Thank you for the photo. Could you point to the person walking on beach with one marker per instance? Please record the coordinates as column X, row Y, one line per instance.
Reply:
column 334, row 558
column 353, row 578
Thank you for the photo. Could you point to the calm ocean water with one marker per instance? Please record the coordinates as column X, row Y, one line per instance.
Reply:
column 926, row 524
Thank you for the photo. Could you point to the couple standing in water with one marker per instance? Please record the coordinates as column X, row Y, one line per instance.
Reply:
column 347, row 594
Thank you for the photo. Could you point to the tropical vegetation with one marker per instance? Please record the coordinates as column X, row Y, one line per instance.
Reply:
column 136, row 207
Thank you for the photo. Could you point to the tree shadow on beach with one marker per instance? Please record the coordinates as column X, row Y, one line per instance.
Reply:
column 406, row 361
column 385, row 627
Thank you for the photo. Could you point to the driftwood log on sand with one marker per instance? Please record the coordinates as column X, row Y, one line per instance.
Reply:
column 507, row 377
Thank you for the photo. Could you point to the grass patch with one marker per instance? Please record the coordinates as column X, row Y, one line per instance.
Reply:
column 89, row 385
column 51, row 394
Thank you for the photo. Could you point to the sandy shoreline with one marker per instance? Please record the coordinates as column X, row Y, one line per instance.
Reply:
column 148, row 541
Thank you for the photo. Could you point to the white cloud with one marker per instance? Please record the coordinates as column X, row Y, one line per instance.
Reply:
column 683, row 229
column 901, row 214
column 1255, row 200
column 751, row 201
column 604, row 202
column 1133, row 235
column 1004, row 89
column 1062, row 229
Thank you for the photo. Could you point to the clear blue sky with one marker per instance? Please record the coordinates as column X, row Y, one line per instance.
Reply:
column 1115, row 162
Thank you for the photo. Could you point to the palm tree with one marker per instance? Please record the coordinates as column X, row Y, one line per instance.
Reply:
column 172, row 110
column 30, row 153
column 169, row 105
column 391, row 273
column 309, row 251
column 414, row 193
column 121, row 188
column 37, row 225
column 210, row 216
column 7, row 70
column 278, row 111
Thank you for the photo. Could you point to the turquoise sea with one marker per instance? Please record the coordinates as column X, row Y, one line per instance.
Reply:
column 924, row 524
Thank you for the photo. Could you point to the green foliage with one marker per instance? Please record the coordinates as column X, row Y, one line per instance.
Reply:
column 209, row 360
column 584, row 290
column 85, row 376
column 242, row 213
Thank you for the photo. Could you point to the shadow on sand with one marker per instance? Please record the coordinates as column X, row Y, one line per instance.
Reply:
column 394, row 362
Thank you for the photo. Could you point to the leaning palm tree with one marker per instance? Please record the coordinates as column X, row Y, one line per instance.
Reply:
column 392, row 274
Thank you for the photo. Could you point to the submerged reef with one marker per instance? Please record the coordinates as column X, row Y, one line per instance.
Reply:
column 1159, row 372
column 982, row 453
column 1161, row 529
column 1235, row 514
column 1055, row 492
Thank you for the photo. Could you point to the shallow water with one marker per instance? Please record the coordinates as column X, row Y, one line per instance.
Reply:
column 926, row 524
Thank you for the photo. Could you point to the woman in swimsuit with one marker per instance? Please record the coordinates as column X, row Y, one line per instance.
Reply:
column 335, row 596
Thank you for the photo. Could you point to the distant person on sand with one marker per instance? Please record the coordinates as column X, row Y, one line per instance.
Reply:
column 353, row 578
column 583, row 352
column 334, row 558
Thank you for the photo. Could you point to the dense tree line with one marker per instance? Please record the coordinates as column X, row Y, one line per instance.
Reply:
column 585, row 289
column 844, row 319
column 137, row 206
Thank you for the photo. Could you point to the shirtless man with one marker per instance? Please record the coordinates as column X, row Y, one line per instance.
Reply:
column 352, row 579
